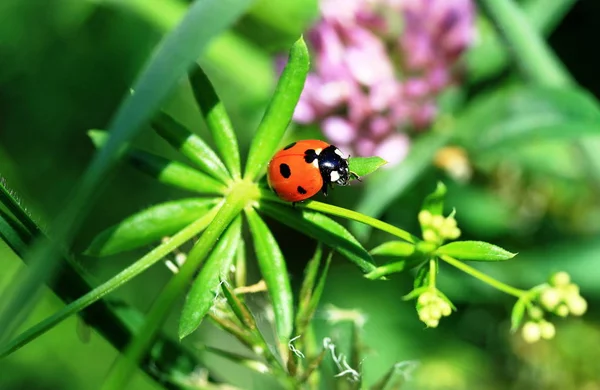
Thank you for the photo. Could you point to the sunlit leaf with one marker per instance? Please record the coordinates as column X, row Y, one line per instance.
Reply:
column 434, row 202
column 216, row 119
column 274, row 271
column 149, row 226
column 324, row 229
column 190, row 145
column 205, row 288
column 362, row 166
column 279, row 112
column 475, row 250
column 394, row 248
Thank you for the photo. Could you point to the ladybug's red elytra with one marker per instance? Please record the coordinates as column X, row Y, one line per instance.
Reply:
column 301, row 169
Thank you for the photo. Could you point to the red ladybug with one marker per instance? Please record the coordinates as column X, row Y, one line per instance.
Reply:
column 301, row 169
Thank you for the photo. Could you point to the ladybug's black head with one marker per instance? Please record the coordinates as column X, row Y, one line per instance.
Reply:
column 333, row 166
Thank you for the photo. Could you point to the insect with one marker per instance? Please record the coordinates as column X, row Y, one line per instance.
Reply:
column 301, row 169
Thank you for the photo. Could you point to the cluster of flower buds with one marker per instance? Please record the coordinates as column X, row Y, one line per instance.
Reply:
column 561, row 297
column 431, row 307
column 436, row 228
column 378, row 67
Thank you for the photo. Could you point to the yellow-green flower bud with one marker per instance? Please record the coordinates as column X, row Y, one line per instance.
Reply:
column 453, row 234
column 437, row 221
column 547, row 330
column 430, row 235
column 446, row 308
column 433, row 323
column 426, row 298
column 577, row 305
column 536, row 313
column 562, row 310
column 550, row 298
column 425, row 218
column 531, row 332
column 560, row 279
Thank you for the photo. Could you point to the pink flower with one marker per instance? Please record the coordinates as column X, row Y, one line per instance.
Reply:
column 378, row 66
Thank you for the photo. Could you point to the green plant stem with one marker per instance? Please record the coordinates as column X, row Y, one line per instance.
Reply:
column 432, row 272
column 234, row 203
column 483, row 277
column 121, row 278
column 345, row 213
column 536, row 59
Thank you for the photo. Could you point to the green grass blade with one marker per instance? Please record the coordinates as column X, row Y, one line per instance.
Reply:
column 170, row 62
column 279, row 112
column 201, row 296
column 115, row 282
column 149, row 226
column 324, row 229
column 191, row 146
column 274, row 271
column 217, row 120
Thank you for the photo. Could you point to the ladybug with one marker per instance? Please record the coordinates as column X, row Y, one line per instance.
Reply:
column 301, row 169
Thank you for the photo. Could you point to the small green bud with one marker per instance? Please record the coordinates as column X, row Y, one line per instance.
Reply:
column 547, row 330
column 446, row 309
column 426, row 298
column 562, row 310
column 560, row 279
column 432, row 323
column 435, row 312
column 425, row 218
column 437, row 221
column 531, row 332
column 450, row 223
column 453, row 234
column 536, row 313
column 570, row 289
column 430, row 235
column 550, row 298
column 577, row 305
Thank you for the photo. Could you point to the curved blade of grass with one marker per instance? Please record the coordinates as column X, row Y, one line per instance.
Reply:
column 217, row 120
column 274, row 271
column 180, row 48
column 434, row 202
column 148, row 226
column 279, row 112
column 383, row 187
column 191, row 146
column 115, row 282
column 324, row 229
column 532, row 54
column 166, row 171
column 201, row 296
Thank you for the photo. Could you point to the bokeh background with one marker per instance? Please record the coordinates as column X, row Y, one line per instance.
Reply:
column 65, row 65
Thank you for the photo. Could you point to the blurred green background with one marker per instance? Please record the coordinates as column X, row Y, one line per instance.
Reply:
column 66, row 65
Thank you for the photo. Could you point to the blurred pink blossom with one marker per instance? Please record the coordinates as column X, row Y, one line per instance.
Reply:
column 378, row 66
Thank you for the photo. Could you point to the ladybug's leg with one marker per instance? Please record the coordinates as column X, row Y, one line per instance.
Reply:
column 324, row 188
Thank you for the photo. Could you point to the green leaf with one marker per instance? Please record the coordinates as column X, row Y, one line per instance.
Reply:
column 394, row 248
column 317, row 292
column 279, row 112
column 324, row 229
column 434, row 202
column 524, row 114
column 240, row 310
column 310, row 276
column 415, row 293
column 422, row 276
column 517, row 314
column 362, row 166
column 274, row 271
column 205, row 287
column 166, row 171
column 149, row 226
column 406, row 263
column 175, row 174
column 217, row 120
column 475, row 250
column 191, row 146
column 383, row 187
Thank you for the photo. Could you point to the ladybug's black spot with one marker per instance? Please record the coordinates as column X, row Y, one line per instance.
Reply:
column 310, row 155
column 289, row 146
column 301, row 190
column 285, row 171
